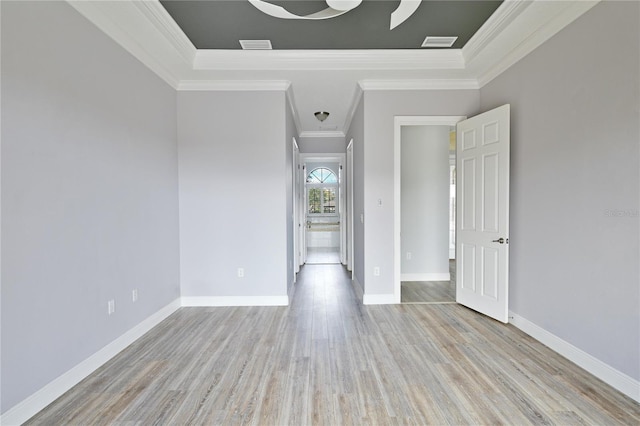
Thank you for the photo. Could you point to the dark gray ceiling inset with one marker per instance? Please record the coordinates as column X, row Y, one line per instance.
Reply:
column 220, row 24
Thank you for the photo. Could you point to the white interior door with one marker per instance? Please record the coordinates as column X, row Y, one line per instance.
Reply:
column 482, row 267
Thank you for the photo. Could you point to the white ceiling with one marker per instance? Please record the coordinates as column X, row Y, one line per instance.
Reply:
column 329, row 80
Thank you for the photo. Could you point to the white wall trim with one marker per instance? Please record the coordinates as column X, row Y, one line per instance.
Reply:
column 211, row 301
column 294, row 110
column 497, row 23
column 527, row 26
column 443, row 276
column 379, row 299
column 128, row 26
column 616, row 379
column 323, row 134
column 234, row 85
column 159, row 16
column 353, row 107
column 30, row 406
column 293, row 60
column 422, row 84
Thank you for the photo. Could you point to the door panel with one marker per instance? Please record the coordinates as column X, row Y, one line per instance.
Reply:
column 483, row 212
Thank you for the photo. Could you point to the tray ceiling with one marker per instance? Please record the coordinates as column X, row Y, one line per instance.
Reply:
column 325, row 65
column 220, row 24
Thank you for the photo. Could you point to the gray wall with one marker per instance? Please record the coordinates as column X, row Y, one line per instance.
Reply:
column 424, row 201
column 356, row 132
column 89, row 193
column 575, row 105
column 316, row 145
column 233, row 196
column 379, row 111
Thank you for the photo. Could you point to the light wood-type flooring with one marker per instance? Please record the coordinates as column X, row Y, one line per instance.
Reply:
column 430, row 291
column 323, row 255
column 329, row 360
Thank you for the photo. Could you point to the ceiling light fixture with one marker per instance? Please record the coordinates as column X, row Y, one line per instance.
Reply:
column 321, row 115
column 405, row 9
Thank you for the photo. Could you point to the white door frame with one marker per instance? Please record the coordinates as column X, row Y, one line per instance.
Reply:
column 303, row 212
column 296, row 209
column 305, row 159
column 350, row 207
column 398, row 123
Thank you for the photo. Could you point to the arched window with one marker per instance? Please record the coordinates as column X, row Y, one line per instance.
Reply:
column 322, row 175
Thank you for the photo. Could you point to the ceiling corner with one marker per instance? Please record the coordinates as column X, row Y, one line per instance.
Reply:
column 139, row 28
column 516, row 29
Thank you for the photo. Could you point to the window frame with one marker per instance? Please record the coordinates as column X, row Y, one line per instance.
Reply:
column 322, row 186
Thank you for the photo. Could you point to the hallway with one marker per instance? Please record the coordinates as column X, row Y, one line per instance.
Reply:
column 327, row 359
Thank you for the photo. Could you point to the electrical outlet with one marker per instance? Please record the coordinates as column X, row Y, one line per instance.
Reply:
column 408, row 255
column 240, row 272
column 376, row 271
column 134, row 295
column 111, row 306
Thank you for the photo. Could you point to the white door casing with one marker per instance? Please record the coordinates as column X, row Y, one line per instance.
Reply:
column 482, row 266
column 303, row 215
column 296, row 208
column 342, row 213
column 350, row 207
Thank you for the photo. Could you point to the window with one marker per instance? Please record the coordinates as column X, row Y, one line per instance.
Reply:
column 315, row 201
column 322, row 175
column 322, row 200
column 321, row 193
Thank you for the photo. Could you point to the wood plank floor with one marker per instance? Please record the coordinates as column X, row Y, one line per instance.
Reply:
column 328, row 360
column 430, row 291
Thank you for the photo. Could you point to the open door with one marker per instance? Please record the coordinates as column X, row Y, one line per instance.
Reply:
column 482, row 267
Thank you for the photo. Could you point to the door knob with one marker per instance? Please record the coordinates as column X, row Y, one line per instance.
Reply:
column 499, row 240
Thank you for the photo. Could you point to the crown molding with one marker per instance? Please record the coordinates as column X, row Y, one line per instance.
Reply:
column 409, row 59
column 354, row 106
column 322, row 134
column 518, row 28
column 146, row 30
column 496, row 24
column 159, row 16
column 124, row 22
column 294, row 109
column 423, row 84
column 234, row 85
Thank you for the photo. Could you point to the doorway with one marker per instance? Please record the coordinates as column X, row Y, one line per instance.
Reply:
column 425, row 168
column 324, row 206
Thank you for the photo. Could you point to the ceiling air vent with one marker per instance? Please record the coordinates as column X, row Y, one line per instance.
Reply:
column 432, row 41
column 255, row 44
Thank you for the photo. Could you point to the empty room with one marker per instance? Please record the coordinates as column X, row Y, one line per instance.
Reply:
column 211, row 212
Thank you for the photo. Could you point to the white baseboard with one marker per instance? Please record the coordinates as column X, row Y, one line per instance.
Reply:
column 445, row 276
column 235, row 301
column 616, row 379
column 30, row 406
column 379, row 299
